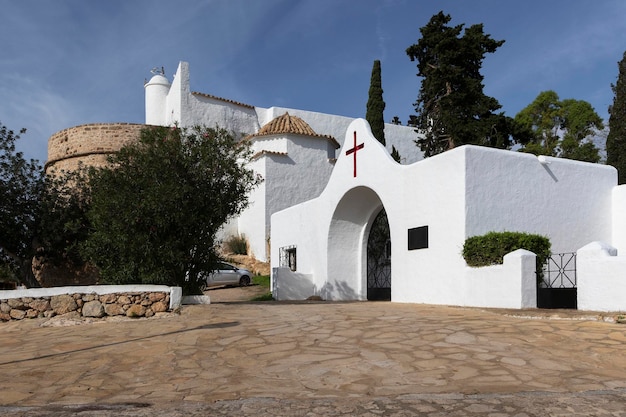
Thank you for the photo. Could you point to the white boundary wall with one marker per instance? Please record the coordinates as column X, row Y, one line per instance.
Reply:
column 510, row 285
column 601, row 278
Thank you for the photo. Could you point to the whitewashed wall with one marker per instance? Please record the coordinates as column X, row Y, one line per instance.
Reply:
column 212, row 112
column 510, row 285
column 180, row 106
column 178, row 97
column 601, row 278
column 619, row 219
column 463, row 192
column 289, row 179
column 251, row 222
column 568, row 201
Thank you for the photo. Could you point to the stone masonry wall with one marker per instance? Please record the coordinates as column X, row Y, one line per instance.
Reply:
column 130, row 304
column 89, row 144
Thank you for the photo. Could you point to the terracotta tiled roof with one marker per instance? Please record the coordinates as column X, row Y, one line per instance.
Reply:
column 287, row 124
column 222, row 99
column 264, row 152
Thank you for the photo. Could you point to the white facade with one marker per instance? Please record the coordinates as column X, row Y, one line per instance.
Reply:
column 298, row 176
column 295, row 169
column 464, row 192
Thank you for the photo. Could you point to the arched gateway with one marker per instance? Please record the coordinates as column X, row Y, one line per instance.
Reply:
column 358, row 248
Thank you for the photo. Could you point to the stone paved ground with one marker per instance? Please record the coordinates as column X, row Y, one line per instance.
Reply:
column 317, row 359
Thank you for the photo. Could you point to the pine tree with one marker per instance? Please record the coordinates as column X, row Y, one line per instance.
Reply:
column 616, row 140
column 452, row 109
column 376, row 105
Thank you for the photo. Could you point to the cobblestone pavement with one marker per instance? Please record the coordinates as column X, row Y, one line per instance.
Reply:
column 317, row 359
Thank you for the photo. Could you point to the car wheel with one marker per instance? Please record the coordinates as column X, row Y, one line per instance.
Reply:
column 244, row 281
column 203, row 286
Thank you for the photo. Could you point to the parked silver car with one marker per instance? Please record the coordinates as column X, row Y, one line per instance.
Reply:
column 227, row 274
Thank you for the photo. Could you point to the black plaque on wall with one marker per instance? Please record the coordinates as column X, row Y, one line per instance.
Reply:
column 418, row 238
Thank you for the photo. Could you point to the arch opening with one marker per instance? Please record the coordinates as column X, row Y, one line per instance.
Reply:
column 379, row 259
column 351, row 225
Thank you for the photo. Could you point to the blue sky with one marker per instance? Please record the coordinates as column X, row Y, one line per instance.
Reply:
column 71, row 62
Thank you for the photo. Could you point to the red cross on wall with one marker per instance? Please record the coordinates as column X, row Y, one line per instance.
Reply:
column 354, row 151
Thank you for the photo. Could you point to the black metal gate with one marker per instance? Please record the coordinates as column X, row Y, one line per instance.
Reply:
column 556, row 284
column 379, row 260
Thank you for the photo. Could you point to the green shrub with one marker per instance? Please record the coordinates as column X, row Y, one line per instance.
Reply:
column 490, row 249
column 237, row 245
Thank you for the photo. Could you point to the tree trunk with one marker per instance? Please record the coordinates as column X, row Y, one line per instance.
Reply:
column 27, row 277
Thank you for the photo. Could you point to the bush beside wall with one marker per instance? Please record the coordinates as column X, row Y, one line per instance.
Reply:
column 489, row 249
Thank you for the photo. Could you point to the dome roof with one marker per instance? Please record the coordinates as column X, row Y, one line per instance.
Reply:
column 287, row 124
column 158, row 79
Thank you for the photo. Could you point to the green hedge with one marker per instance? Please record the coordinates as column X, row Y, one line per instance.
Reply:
column 490, row 249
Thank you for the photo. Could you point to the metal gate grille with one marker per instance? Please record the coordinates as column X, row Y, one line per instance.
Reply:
column 379, row 259
column 560, row 270
column 556, row 287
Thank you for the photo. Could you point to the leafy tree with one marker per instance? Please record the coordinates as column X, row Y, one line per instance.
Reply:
column 616, row 140
column 156, row 210
column 376, row 105
column 396, row 121
column 452, row 109
column 560, row 127
column 21, row 189
column 63, row 224
column 41, row 216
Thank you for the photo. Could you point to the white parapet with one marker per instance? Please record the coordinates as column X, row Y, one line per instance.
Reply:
column 510, row 285
column 600, row 278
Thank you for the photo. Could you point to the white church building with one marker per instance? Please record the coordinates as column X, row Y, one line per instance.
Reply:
column 328, row 180
column 294, row 150
column 432, row 206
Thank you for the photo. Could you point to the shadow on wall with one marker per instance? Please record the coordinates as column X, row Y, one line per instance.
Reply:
column 338, row 291
column 290, row 285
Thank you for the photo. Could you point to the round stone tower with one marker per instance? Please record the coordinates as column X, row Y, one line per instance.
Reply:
column 88, row 145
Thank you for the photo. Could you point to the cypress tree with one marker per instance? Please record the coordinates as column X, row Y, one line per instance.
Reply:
column 616, row 140
column 376, row 105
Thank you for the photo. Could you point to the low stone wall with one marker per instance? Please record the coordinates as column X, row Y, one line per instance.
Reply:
column 127, row 301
